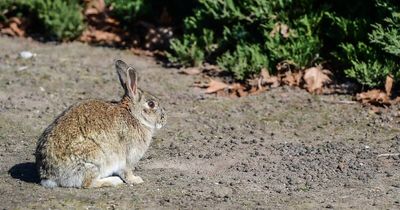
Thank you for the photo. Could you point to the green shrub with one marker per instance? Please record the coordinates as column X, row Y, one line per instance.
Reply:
column 245, row 61
column 386, row 35
column 366, row 66
column 186, row 51
column 62, row 19
column 59, row 19
column 4, row 5
column 127, row 10
column 10, row 8
column 242, row 32
column 370, row 50
column 301, row 47
column 360, row 40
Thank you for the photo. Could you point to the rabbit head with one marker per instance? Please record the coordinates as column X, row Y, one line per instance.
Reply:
column 142, row 105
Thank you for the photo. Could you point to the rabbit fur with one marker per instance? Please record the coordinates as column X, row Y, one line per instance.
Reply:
column 97, row 143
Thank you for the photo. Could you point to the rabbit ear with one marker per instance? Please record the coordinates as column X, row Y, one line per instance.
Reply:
column 132, row 81
column 127, row 77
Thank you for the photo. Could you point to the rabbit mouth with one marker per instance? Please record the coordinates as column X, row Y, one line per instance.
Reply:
column 159, row 125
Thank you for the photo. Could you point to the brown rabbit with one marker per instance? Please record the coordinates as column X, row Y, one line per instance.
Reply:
column 96, row 143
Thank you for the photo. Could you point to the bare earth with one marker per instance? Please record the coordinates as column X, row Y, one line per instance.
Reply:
column 282, row 149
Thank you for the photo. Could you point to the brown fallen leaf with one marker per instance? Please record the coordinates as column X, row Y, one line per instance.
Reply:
column 292, row 78
column 112, row 21
column 284, row 30
column 375, row 97
column 94, row 7
column 315, row 78
column 16, row 27
column 255, row 91
column 238, row 90
column 273, row 81
column 280, row 28
column 191, row 71
column 264, row 74
column 288, row 74
column 389, row 85
column 98, row 36
column 7, row 31
column 215, row 85
column 142, row 52
column 267, row 79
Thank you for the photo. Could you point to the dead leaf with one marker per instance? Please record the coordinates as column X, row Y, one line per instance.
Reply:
column 389, row 85
column 112, row 21
column 284, row 30
column 280, row 28
column 292, row 78
column 238, row 89
column 142, row 52
column 285, row 66
column 94, row 7
column 15, row 27
column 375, row 97
column 255, row 91
column 215, row 86
column 273, row 81
column 288, row 73
column 16, row 20
column 267, row 79
column 191, row 71
column 316, row 78
column 99, row 36
column 274, row 30
column 264, row 74
column 91, row 11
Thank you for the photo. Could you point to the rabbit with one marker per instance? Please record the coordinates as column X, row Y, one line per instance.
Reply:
column 96, row 143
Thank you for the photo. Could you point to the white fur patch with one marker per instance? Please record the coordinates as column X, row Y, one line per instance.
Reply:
column 112, row 180
column 115, row 167
column 48, row 183
column 158, row 125
column 146, row 123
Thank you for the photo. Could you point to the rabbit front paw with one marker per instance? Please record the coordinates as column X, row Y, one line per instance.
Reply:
column 129, row 178
column 134, row 180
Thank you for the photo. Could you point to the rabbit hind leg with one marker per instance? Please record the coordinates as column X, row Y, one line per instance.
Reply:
column 92, row 178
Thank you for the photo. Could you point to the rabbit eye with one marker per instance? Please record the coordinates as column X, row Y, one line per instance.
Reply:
column 151, row 104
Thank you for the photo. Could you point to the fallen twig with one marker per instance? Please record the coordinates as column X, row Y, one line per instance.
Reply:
column 339, row 102
column 389, row 155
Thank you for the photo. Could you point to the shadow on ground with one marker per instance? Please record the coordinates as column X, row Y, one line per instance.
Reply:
column 25, row 172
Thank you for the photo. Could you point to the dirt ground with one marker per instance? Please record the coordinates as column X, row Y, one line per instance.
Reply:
column 284, row 149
